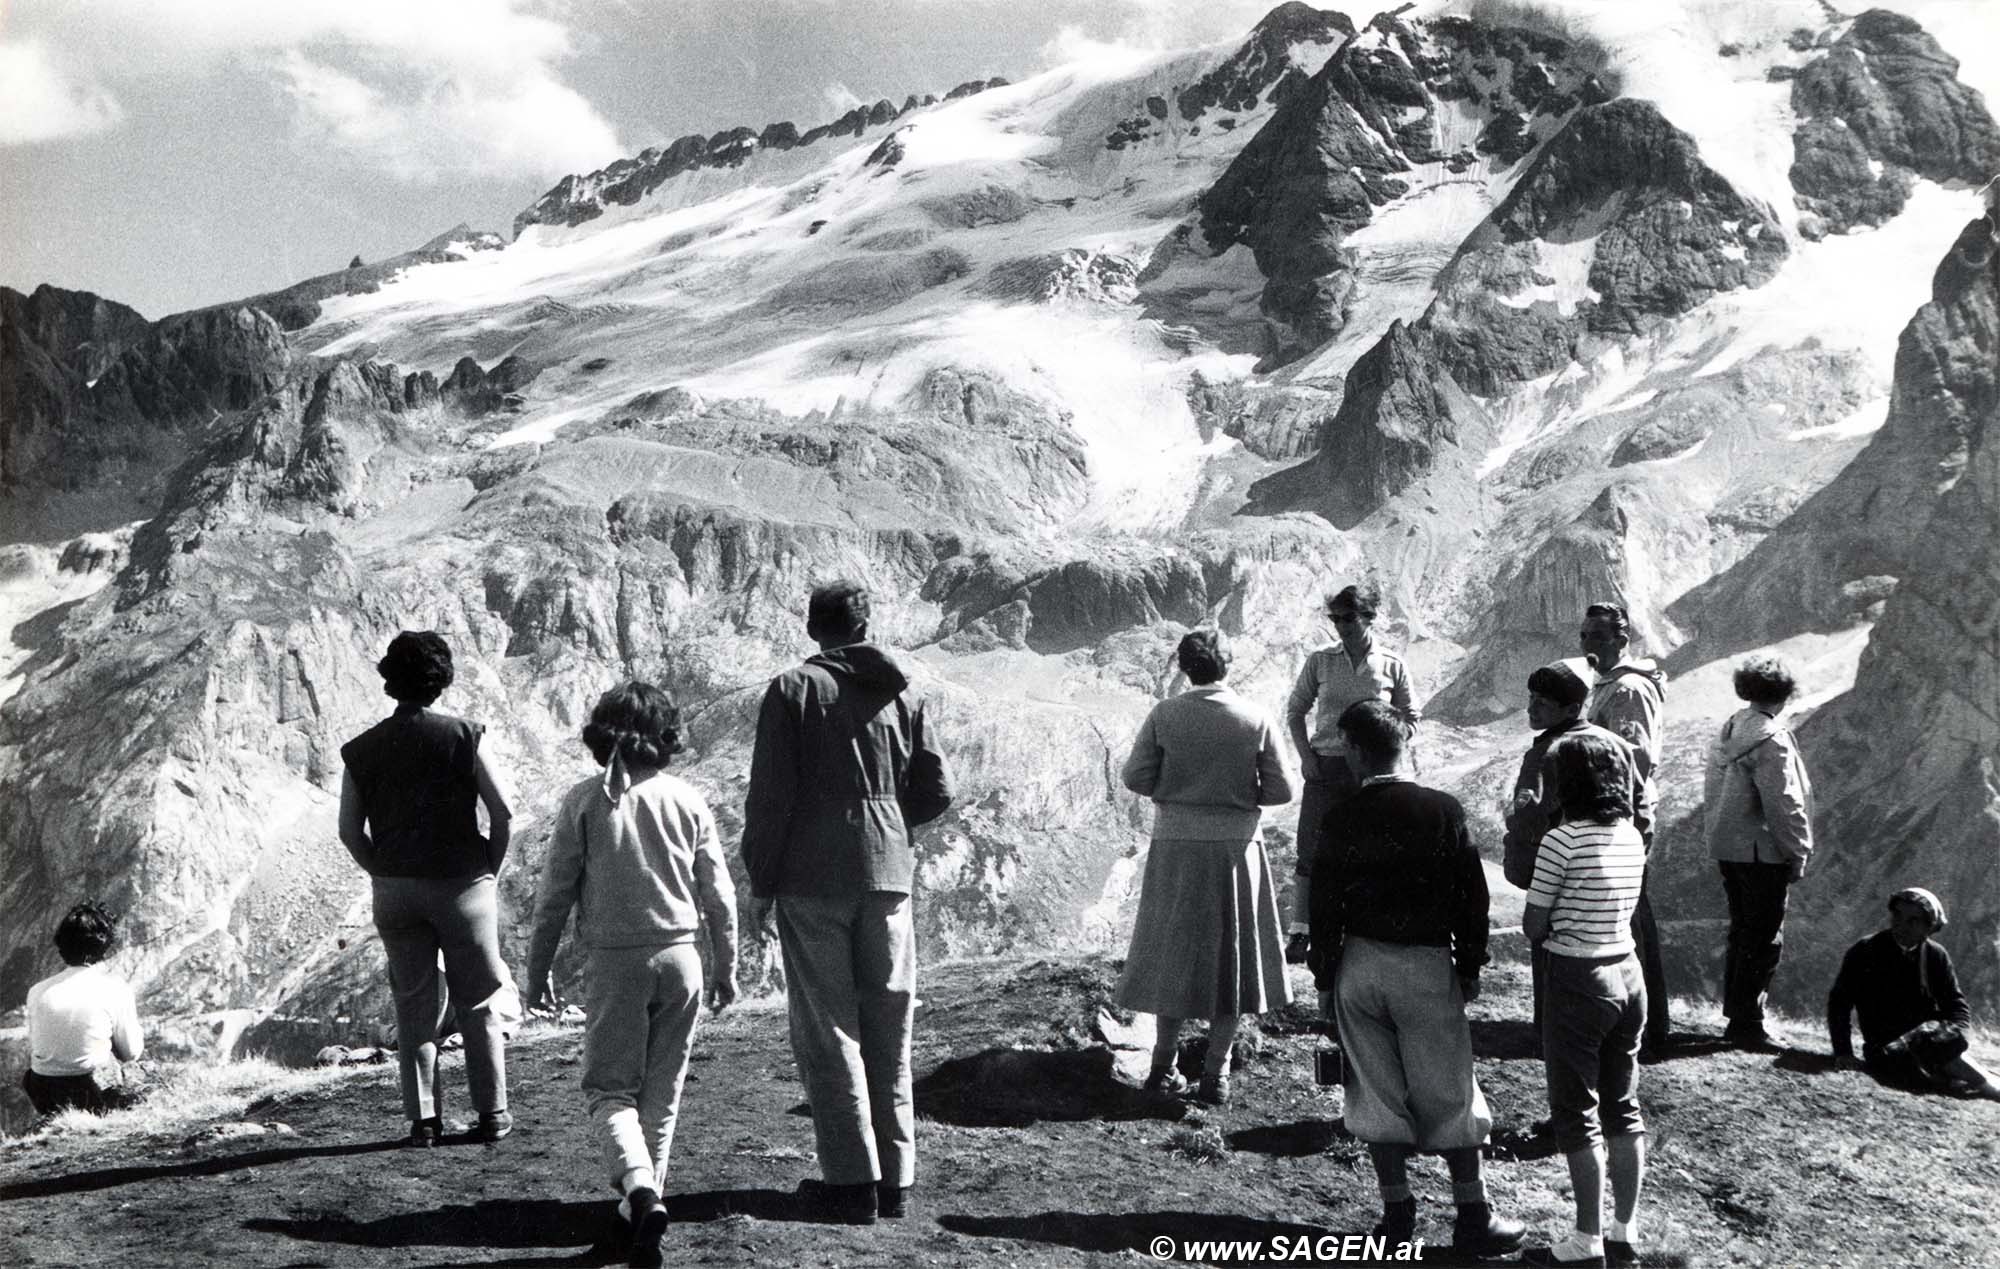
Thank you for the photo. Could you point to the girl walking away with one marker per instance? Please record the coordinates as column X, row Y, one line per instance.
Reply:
column 635, row 852
column 1205, row 943
column 1587, row 878
column 407, row 816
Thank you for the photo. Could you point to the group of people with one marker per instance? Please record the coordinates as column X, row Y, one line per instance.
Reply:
column 1390, row 910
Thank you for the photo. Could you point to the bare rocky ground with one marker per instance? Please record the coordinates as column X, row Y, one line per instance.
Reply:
column 1036, row 1150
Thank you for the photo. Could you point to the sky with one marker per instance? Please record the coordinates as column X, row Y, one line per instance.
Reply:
column 173, row 153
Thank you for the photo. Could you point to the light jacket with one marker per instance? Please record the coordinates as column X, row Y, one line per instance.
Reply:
column 844, row 769
column 1208, row 759
column 643, row 868
column 1759, row 797
column 1329, row 682
column 1627, row 700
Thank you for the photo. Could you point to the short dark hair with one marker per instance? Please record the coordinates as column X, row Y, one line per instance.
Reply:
column 1203, row 656
column 1560, row 684
column 1593, row 778
column 1611, row 613
column 86, row 933
column 636, row 719
column 1763, row 679
column 1374, row 730
column 417, row 666
column 1363, row 599
column 839, row 608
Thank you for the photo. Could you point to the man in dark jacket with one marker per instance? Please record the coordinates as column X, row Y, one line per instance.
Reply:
column 1913, row 1014
column 844, row 769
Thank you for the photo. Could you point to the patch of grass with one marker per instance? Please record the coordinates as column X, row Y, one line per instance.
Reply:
column 189, row 1095
column 1198, row 1142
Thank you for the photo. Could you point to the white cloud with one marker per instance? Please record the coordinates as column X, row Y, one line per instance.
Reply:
column 39, row 102
column 840, row 98
column 418, row 88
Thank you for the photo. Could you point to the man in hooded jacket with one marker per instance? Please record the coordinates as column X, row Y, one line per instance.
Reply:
column 844, row 769
column 1628, row 700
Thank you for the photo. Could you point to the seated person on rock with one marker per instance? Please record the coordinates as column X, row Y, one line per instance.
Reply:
column 1913, row 1015
column 82, row 1022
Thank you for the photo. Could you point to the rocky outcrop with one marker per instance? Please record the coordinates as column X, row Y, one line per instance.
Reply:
column 298, row 306
column 579, row 198
column 1871, row 522
column 1247, row 76
column 1880, row 108
column 53, row 345
column 1341, row 144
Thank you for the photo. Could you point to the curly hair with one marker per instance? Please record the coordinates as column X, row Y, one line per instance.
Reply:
column 638, row 720
column 86, row 934
column 1593, row 779
column 1363, row 599
column 1203, row 657
column 1611, row 614
column 1763, row 679
column 417, row 667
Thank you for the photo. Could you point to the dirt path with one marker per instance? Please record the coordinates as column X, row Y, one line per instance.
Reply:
column 1032, row 1153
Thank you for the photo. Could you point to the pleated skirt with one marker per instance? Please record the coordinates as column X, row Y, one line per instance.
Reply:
column 1207, row 942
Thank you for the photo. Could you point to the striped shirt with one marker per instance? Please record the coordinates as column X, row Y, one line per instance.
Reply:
column 1588, row 877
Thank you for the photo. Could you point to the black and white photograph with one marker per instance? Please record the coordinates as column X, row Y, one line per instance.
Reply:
column 1031, row 633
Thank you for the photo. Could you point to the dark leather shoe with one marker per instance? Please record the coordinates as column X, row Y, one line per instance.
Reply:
column 839, row 1204
column 493, row 1125
column 424, row 1133
column 1398, row 1224
column 892, row 1202
column 1478, row 1232
column 1617, row 1253
column 649, row 1228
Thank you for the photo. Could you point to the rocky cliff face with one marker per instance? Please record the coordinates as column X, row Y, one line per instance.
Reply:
column 1877, row 111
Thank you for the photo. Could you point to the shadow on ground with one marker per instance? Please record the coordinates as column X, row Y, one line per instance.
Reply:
column 106, row 1178
column 1013, row 1088
column 1300, row 1139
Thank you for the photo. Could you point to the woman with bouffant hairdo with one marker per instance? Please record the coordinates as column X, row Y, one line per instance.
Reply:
column 407, row 815
column 635, row 851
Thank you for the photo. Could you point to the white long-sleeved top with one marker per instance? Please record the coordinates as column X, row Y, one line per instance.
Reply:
column 81, row 1020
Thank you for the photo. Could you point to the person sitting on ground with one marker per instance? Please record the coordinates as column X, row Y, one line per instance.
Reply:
column 635, row 850
column 1759, row 804
column 1913, row 1015
column 1556, row 696
column 1398, row 938
column 1206, row 941
column 1587, row 879
column 1334, row 677
column 82, row 1021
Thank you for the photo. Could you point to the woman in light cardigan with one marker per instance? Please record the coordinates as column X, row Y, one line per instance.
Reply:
column 1207, row 941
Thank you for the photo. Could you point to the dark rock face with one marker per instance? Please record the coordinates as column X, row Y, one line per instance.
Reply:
column 53, row 344
column 1241, row 81
column 1873, row 519
column 1333, row 150
column 1884, row 92
column 1669, row 233
column 475, row 392
column 580, row 198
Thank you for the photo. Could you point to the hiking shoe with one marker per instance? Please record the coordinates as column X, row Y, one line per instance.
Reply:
column 1165, row 1081
column 493, row 1125
column 649, row 1227
column 892, row 1202
column 1617, row 1253
column 1478, row 1232
column 1752, row 1036
column 1214, row 1090
column 424, row 1133
column 839, row 1204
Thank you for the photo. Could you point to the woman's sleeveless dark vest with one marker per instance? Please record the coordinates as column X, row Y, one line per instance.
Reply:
column 415, row 772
